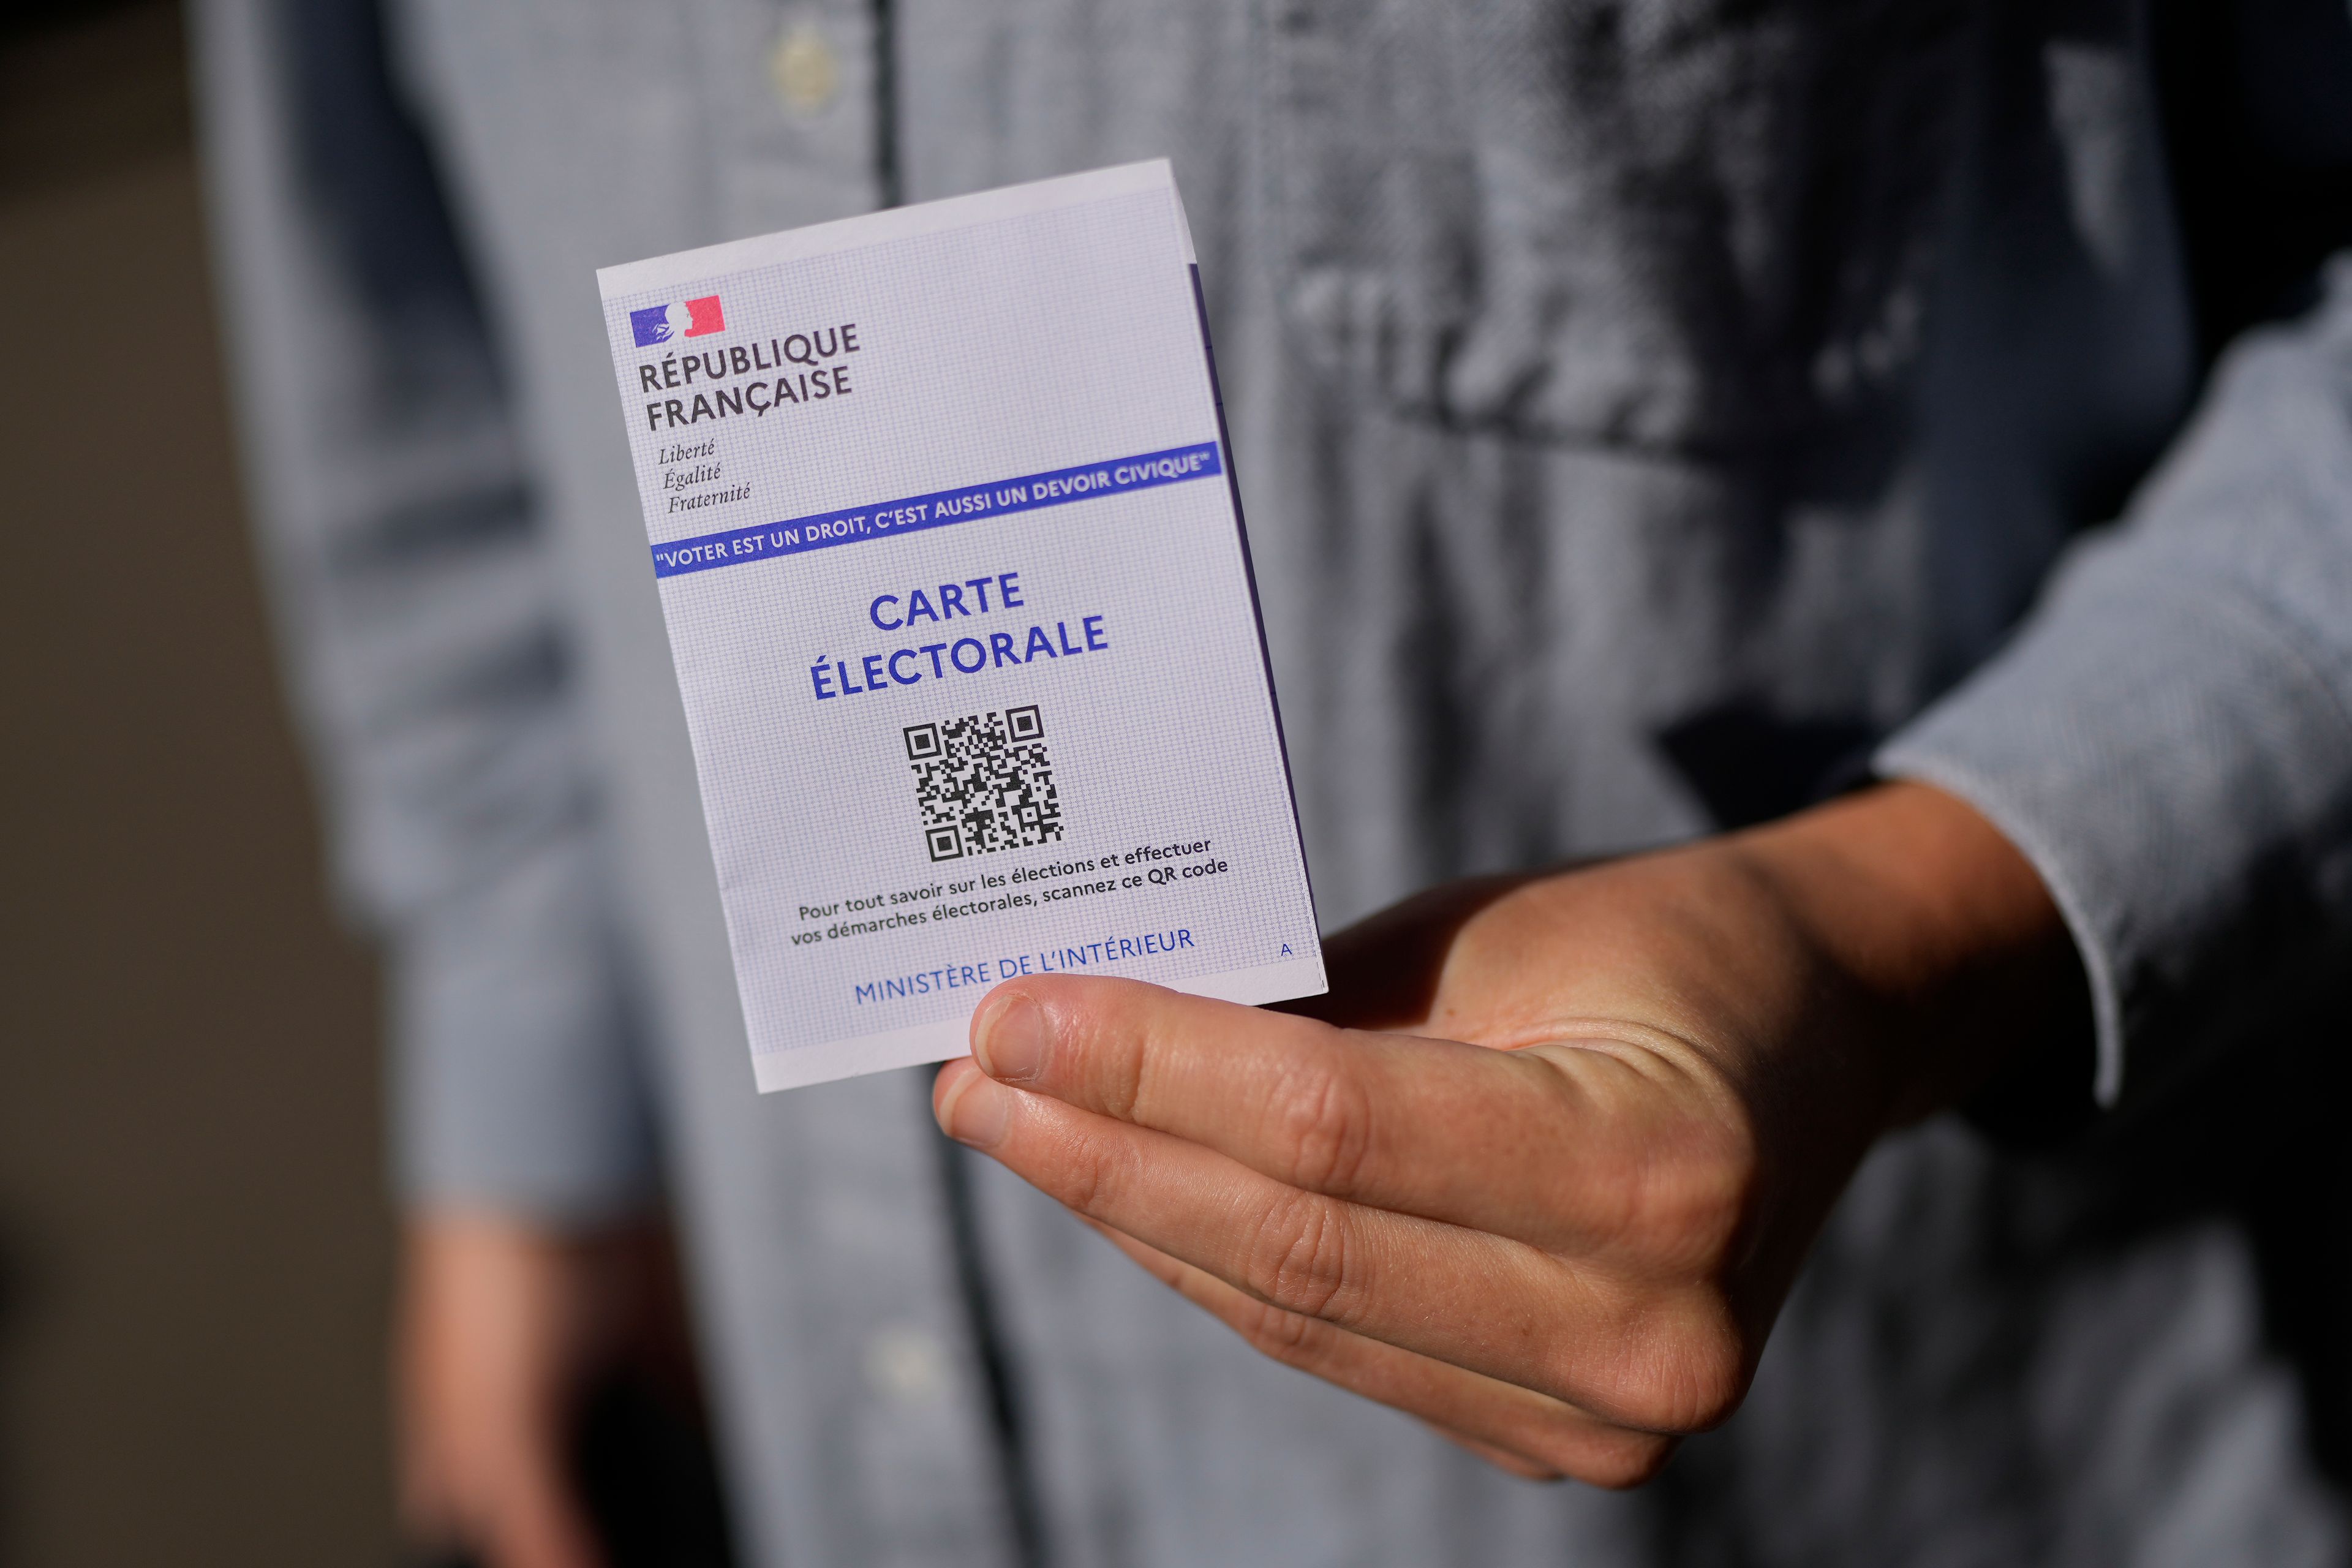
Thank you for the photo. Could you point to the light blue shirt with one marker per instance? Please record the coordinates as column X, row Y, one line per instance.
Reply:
column 1641, row 414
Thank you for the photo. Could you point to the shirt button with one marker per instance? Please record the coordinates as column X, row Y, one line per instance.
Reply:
column 906, row 1364
column 806, row 75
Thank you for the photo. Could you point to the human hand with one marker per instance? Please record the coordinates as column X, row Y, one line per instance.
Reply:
column 1567, row 1251
column 503, row 1326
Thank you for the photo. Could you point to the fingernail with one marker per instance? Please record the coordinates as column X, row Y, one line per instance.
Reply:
column 978, row 1112
column 1011, row 1042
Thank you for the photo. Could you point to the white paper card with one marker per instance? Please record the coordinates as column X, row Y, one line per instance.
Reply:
column 944, row 530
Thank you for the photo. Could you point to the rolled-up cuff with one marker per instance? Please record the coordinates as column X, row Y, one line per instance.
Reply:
column 2164, row 751
column 515, row 1085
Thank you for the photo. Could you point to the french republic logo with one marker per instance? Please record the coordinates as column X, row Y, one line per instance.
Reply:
column 694, row 319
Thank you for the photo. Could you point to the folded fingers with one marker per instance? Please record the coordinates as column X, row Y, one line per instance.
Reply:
column 1483, row 1303
column 1529, row 1434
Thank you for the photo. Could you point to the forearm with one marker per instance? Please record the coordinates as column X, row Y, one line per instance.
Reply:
column 1938, row 939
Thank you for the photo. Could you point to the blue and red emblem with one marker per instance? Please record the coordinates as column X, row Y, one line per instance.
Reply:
column 694, row 319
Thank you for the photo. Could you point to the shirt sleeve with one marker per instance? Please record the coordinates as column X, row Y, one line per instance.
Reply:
column 2169, row 738
column 419, row 618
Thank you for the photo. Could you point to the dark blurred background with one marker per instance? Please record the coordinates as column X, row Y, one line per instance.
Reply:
column 194, row 1247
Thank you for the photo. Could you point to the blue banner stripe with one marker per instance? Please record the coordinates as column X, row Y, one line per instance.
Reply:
column 938, row 510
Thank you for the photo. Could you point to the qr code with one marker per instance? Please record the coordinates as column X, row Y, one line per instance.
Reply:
column 984, row 782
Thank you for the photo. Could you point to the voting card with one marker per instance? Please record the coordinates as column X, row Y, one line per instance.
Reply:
column 943, row 522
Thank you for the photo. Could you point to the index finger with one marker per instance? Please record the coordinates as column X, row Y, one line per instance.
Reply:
column 1502, row 1142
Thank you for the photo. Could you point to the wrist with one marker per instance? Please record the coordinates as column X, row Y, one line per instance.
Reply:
column 1959, row 958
